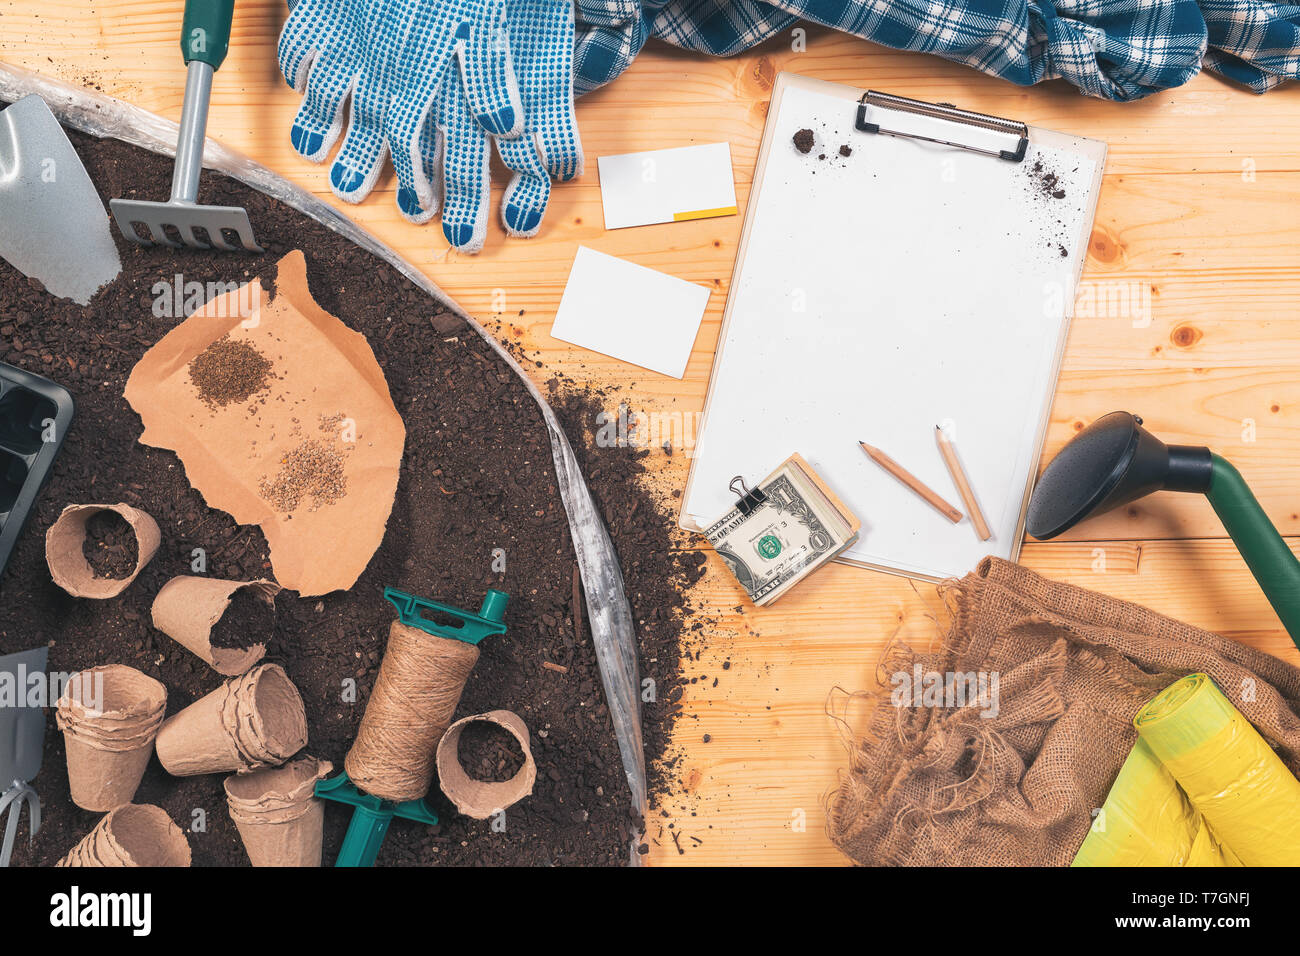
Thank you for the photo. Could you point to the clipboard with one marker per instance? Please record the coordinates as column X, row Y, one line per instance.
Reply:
column 916, row 267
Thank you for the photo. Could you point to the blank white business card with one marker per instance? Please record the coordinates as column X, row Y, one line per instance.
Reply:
column 629, row 312
column 667, row 185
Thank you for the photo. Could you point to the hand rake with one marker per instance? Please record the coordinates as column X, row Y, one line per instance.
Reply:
column 205, row 37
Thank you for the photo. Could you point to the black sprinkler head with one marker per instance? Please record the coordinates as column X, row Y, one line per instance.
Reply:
column 1110, row 463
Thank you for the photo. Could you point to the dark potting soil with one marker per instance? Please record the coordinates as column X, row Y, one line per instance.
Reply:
column 488, row 752
column 110, row 546
column 803, row 140
column 249, row 619
column 477, row 507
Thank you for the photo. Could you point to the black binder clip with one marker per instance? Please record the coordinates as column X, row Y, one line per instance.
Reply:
column 747, row 499
column 990, row 135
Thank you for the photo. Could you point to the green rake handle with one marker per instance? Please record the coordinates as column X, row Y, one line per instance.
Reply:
column 205, row 31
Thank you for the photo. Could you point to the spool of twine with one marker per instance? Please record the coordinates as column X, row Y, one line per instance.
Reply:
column 419, row 685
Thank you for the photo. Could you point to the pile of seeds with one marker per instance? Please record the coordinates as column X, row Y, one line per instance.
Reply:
column 312, row 470
column 229, row 370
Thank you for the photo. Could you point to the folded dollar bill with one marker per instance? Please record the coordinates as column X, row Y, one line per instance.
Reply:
column 782, row 530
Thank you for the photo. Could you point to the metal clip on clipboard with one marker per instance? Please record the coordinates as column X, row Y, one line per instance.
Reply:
column 933, row 122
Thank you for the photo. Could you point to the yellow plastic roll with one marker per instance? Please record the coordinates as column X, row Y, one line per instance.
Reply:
column 1147, row 820
column 1248, row 797
column 1200, row 788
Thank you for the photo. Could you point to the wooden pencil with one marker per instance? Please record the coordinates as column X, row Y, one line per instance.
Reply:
column 906, row 477
column 949, row 452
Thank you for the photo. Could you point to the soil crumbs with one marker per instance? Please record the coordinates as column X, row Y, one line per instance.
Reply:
column 110, row 546
column 488, row 752
column 249, row 619
column 477, row 484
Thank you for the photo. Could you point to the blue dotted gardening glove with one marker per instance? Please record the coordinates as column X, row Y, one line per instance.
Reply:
column 455, row 148
column 392, row 58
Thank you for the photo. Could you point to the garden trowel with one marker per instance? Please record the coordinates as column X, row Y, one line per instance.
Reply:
column 22, row 739
column 53, row 227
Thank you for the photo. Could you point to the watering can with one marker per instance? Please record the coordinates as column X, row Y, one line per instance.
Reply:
column 1115, row 461
column 22, row 740
column 372, row 815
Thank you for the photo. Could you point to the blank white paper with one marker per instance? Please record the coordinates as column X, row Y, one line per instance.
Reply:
column 904, row 286
column 629, row 312
column 667, row 185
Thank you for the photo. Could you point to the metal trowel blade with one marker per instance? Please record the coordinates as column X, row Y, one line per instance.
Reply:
column 53, row 226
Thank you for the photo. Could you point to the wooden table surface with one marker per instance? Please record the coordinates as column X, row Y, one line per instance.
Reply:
column 1200, row 209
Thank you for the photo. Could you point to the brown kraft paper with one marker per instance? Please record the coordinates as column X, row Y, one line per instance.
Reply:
column 324, row 386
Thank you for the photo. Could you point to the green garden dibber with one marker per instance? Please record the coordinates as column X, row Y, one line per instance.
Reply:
column 373, row 814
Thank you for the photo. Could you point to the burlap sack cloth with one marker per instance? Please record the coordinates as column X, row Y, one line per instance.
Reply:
column 943, row 785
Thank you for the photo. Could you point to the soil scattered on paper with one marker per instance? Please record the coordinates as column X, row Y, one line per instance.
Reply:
column 803, row 140
column 477, row 481
column 1046, row 182
column 229, row 371
column 488, row 752
column 110, row 546
column 249, row 619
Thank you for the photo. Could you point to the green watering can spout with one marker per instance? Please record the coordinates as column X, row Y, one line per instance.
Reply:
column 1115, row 461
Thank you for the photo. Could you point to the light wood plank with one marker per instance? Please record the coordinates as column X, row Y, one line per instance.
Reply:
column 1198, row 206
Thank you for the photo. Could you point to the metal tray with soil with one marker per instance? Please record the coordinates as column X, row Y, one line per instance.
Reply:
column 477, row 475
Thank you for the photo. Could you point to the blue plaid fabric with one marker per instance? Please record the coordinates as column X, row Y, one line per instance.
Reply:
column 1116, row 49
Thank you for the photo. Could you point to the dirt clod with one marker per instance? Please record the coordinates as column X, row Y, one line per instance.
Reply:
column 248, row 619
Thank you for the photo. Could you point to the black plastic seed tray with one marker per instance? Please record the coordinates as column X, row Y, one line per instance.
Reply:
column 34, row 417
